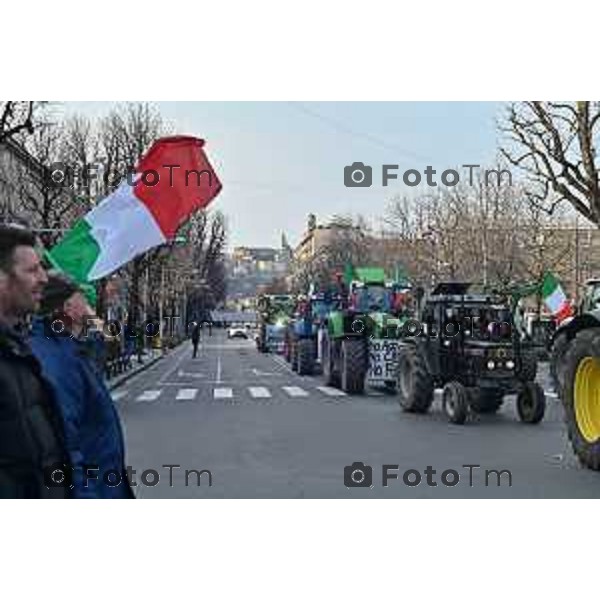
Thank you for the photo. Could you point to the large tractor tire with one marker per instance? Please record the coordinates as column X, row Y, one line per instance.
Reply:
column 305, row 356
column 581, row 396
column 529, row 365
column 330, row 368
column 353, row 363
column 531, row 403
column 487, row 401
column 415, row 384
column 558, row 362
column 455, row 400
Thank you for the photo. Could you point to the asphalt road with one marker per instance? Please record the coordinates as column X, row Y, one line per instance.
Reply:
column 258, row 430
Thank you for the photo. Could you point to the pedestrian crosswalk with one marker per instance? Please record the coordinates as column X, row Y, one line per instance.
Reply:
column 149, row 396
column 226, row 393
column 258, row 393
column 186, row 394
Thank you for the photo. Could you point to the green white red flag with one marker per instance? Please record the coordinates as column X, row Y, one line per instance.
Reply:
column 555, row 298
column 172, row 181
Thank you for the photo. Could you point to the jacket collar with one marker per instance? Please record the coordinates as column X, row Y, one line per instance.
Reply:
column 13, row 340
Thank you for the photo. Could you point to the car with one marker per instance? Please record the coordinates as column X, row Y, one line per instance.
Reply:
column 236, row 331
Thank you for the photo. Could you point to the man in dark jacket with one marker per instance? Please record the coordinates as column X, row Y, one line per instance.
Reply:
column 33, row 459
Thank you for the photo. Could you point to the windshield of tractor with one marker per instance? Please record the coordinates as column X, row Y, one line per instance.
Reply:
column 373, row 298
column 594, row 296
column 490, row 319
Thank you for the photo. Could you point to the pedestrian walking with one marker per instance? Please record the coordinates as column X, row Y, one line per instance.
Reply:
column 33, row 456
column 67, row 352
column 195, row 339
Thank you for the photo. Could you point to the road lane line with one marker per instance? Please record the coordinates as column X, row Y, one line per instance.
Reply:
column 294, row 391
column 220, row 393
column 118, row 395
column 259, row 392
column 331, row 391
column 219, row 368
column 148, row 396
column 186, row 394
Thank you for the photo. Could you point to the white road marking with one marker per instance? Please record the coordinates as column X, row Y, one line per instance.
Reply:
column 184, row 354
column 259, row 392
column 294, row 391
column 331, row 391
column 218, row 368
column 148, row 396
column 223, row 393
column 264, row 373
column 182, row 373
column 118, row 394
column 186, row 394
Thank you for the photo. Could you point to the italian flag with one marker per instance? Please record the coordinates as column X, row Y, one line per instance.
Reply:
column 555, row 298
column 173, row 180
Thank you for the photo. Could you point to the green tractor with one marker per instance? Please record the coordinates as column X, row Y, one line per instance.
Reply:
column 575, row 366
column 274, row 311
column 360, row 341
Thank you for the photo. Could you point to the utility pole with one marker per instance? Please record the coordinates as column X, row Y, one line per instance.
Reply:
column 160, row 305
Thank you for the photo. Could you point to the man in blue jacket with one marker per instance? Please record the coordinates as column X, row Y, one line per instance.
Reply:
column 94, row 438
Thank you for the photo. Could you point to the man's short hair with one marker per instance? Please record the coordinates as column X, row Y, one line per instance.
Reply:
column 12, row 236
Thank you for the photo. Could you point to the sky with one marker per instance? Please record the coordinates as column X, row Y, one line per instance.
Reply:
column 280, row 161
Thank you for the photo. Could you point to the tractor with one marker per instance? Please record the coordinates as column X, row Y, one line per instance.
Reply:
column 576, row 368
column 361, row 338
column 305, row 329
column 468, row 345
column 568, row 329
column 274, row 311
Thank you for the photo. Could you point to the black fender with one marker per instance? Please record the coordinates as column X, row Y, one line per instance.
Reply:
column 573, row 326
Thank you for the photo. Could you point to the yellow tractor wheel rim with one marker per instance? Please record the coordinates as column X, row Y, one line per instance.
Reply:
column 587, row 398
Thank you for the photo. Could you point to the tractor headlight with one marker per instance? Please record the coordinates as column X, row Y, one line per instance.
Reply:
column 491, row 365
column 510, row 364
column 446, row 343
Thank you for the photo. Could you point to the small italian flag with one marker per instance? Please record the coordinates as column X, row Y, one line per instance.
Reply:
column 555, row 298
column 173, row 180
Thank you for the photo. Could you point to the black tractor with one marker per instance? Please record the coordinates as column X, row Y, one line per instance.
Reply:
column 467, row 345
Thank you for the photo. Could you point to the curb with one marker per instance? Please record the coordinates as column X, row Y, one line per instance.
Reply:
column 121, row 379
column 127, row 376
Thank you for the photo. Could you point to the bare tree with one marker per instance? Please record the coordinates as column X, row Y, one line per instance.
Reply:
column 15, row 118
column 485, row 232
column 554, row 145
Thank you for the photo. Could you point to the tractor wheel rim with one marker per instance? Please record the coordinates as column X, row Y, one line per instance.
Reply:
column 586, row 398
column 450, row 402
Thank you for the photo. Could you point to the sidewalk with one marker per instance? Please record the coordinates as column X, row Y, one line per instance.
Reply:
column 151, row 356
